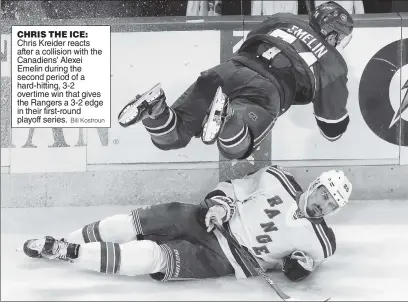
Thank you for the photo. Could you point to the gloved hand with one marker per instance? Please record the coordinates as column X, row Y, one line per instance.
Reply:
column 304, row 260
column 220, row 210
column 297, row 266
column 215, row 214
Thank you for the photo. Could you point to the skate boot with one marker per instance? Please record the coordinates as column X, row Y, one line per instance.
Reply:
column 220, row 111
column 49, row 248
column 151, row 103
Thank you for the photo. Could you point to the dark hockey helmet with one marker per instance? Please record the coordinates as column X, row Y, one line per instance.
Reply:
column 332, row 21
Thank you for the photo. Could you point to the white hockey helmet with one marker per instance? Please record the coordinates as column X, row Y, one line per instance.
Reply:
column 336, row 183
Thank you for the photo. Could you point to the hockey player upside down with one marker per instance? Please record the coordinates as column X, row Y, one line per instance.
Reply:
column 283, row 62
column 267, row 212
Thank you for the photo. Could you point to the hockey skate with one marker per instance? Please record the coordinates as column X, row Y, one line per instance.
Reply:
column 48, row 248
column 142, row 106
column 220, row 112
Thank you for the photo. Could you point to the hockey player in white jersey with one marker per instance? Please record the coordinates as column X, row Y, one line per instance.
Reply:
column 267, row 212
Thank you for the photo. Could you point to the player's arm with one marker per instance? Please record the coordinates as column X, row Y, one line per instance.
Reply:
column 330, row 109
column 301, row 263
column 220, row 203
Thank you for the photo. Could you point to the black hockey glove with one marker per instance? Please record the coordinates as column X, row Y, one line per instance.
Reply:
column 297, row 266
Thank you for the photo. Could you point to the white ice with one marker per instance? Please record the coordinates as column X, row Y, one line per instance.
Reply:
column 371, row 262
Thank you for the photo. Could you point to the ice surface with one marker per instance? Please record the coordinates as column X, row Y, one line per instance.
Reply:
column 370, row 262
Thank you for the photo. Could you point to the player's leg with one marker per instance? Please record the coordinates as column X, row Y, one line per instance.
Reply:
column 176, row 259
column 187, row 260
column 132, row 258
column 160, row 222
column 244, row 130
column 254, row 112
column 179, row 123
column 169, row 221
column 117, row 228
column 173, row 256
column 173, row 127
column 175, row 227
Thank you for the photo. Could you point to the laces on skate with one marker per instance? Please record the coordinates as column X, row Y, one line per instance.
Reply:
column 59, row 250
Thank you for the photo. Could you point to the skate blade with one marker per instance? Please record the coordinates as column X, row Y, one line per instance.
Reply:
column 130, row 112
column 213, row 125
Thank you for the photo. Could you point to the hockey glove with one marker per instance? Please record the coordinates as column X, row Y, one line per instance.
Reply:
column 297, row 266
column 221, row 211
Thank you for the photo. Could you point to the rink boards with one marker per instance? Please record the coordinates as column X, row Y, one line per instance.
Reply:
column 58, row 167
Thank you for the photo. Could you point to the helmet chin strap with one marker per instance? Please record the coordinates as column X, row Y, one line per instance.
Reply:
column 305, row 205
column 308, row 193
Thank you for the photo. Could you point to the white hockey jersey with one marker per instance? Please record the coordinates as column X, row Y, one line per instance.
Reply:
column 267, row 221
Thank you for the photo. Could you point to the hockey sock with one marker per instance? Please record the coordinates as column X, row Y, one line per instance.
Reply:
column 104, row 257
column 90, row 232
column 162, row 123
column 117, row 228
column 131, row 259
column 235, row 139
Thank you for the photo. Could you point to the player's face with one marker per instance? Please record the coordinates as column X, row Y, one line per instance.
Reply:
column 320, row 203
column 332, row 39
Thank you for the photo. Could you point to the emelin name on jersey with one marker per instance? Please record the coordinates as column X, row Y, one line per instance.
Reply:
column 318, row 49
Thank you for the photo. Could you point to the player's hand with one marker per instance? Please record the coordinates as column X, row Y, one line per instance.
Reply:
column 216, row 214
column 304, row 260
column 297, row 266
